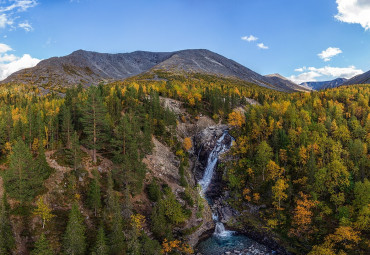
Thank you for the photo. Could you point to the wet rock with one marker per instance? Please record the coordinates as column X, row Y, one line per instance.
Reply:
column 204, row 142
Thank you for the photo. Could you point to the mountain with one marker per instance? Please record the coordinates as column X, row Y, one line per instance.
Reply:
column 282, row 82
column 319, row 85
column 89, row 68
column 359, row 79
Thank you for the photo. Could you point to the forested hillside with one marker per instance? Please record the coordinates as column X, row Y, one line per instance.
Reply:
column 304, row 161
column 74, row 181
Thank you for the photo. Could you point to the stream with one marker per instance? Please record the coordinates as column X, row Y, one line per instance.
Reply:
column 224, row 241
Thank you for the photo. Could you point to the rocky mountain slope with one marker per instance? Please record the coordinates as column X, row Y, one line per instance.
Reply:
column 281, row 82
column 319, row 85
column 87, row 68
column 359, row 79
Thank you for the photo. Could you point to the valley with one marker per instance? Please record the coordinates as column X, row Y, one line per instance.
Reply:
column 185, row 153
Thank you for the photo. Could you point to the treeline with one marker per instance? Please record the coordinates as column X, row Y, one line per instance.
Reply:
column 304, row 161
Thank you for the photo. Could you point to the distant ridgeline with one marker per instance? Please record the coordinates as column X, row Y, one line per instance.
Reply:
column 74, row 181
column 89, row 68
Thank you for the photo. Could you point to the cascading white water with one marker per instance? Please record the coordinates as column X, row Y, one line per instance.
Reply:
column 223, row 241
column 212, row 161
column 219, row 148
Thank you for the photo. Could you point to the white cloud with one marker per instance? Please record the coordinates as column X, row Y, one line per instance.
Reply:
column 330, row 52
column 354, row 12
column 4, row 48
column 9, row 12
column 26, row 26
column 4, row 21
column 7, row 58
column 262, row 46
column 250, row 38
column 25, row 61
column 324, row 73
column 9, row 63
column 301, row 69
column 19, row 5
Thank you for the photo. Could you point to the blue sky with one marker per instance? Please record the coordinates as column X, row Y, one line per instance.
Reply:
column 291, row 34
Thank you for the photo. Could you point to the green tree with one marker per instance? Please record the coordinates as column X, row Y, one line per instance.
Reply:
column 76, row 151
column 74, row 237
column 263, row 157
column 42, row 247
column 22, row 180
column 94, row 121
column 67, row 128
column 7, row 242
column 117, row 236
column 94, row 196
column 101, row 247
column 41, row 166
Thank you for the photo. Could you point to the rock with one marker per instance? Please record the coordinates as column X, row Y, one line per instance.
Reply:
column 204, row 142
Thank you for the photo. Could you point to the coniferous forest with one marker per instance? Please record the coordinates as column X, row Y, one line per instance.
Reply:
column 75, row 177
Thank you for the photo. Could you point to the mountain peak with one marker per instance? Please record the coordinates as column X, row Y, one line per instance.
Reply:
column 282, row 81
column 277, row 75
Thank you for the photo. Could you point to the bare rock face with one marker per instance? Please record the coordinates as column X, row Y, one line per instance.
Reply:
column 163, row 164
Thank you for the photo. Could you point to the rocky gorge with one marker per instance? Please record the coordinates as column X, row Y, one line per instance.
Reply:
column 210, row 147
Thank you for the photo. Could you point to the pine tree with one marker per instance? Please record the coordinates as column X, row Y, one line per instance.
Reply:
column 101, row 247
column 7, row 242
column 94, row 121
column 74, row 237
column 42, row 247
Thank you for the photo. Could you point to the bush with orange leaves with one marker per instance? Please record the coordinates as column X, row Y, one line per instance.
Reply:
column 187, row 143
column 175, row 247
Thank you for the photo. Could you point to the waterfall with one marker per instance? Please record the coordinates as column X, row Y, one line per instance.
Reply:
column 219, row 148
column 223, row 241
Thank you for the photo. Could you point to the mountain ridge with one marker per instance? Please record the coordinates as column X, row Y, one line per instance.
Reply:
column 359, row 79
column 281, row 81
column 89, row 67
column 320, row 85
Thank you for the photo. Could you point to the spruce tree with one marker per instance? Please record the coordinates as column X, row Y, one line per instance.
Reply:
column 75, row 148
column 74, row 237
column 101, row 247
column 22, row 181
column 6, row 234
column 42, row 247
column 94, row 121
column 41, row 166
column 94, row 195
column 67, row 128
column 117, row 237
